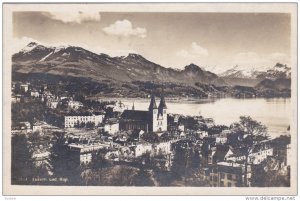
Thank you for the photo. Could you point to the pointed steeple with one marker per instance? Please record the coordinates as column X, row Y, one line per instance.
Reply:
column 162, row 104
column 152, row 103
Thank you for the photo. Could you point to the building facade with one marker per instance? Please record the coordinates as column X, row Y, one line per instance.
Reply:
column 111, row 128
column 225, row 174
column 75, row 120
column 155, row 119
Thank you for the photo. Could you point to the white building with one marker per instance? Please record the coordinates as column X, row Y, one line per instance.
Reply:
column 142, row 148
column 52, row 102
column 111, row 128
column 154, row 149
column 82, row 153
column 181, row 127
column 119, row 107
column 38, row 126
column 221, row 138
column 163, row 147
column 256, row 157
column 71, row 121
column 74, row 104
column 16, row 98
column 202, row 134
column 35, row 94
column 24, row 87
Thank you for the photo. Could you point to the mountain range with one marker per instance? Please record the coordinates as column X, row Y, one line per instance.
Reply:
column 77, row 62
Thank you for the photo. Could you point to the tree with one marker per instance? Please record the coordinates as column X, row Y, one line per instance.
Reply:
column 143, row 178
column 182, row 162
column 58, row 154
column 90, row 124
column 250, row 133
column 22, row 165
column 268, row 174
column 150, row 137
column 62, row 160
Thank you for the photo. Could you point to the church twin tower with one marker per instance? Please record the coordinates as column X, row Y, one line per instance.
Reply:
column 158, row 116
column 155, row 119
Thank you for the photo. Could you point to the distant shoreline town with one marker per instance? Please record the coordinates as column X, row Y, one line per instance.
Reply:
column 61, row 134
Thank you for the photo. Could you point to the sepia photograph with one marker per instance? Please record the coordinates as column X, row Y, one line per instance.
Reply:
column 160, row 98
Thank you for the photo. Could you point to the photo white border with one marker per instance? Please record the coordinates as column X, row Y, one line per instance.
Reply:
column 9, row 189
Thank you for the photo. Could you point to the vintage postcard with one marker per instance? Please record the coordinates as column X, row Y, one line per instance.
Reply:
column 150, row 99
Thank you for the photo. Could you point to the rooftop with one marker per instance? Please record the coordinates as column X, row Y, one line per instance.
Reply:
column 137, row 115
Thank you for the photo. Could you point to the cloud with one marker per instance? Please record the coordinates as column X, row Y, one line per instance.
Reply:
column 194, row 51
column 20, row 43
column 75, row 16
column 125, row 28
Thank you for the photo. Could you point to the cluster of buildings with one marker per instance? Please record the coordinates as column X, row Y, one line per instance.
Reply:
column 152, row 120
column 222, row 164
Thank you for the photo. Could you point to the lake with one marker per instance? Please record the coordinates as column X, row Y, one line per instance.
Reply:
column 275, row 113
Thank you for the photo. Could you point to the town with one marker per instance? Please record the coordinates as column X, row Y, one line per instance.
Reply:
column 65, row 138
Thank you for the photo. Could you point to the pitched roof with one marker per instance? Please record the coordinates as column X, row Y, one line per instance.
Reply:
column 162, row 104
column 152, row 103
column 220, row 153
column 136, row 115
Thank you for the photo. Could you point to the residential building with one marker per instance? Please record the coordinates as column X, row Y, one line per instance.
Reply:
column 44, row 128
column 220, row 138
column 225, row 174
column 111, row 127
column 142, row 148
column 52, row 102
column 34, row 93
column 181, row 127
column 16, row 98
column 74, row 104
column 259, row 153
column 72, row 120
column 82, row 153
column 202, row 134
column 21, row 127
column 163, row 148
column 24, row 87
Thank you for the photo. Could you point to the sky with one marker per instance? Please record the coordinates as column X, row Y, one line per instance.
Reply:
column 215, row 41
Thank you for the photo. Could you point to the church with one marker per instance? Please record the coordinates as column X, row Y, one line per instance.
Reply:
column 155, row 119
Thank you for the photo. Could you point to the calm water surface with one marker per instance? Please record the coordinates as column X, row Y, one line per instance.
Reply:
column 275, row 113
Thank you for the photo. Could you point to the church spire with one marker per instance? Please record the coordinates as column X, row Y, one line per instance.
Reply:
column 152, row 103
column 162, row 104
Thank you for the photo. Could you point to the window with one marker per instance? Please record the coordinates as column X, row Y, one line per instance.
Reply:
column 222, row 183
column 229, row 184
column 222, row 175
column 229, row 176
column 215, row 178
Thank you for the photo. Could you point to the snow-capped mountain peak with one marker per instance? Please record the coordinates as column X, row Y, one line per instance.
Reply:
column 279, row 70
column 238, row 72
column 29, row 47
